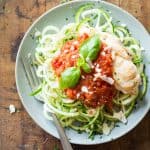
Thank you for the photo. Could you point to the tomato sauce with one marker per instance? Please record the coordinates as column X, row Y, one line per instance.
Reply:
column 91, row 91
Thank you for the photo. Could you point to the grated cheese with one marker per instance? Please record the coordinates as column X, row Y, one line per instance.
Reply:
column 103, row 53
column 78, row 95
column 104, row 78
column 74, row 56
column 84, row 89
column 72, row 48
column 98, row 70
column 75, row 43
column 83, row 77
column 107, row 79
column 66, row 51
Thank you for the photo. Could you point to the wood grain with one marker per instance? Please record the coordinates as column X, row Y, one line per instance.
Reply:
column 18, row 131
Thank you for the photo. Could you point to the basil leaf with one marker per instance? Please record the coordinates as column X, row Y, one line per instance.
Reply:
column 80, row 61
column 92, row 55
column 69, row 78
column 86, row 67
column 90, row 48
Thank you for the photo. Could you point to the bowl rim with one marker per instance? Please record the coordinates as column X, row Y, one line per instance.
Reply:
column 17, row 60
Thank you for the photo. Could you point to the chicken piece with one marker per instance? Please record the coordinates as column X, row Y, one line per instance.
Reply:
column 125, row 73
column 126, row 76
column 115, row 44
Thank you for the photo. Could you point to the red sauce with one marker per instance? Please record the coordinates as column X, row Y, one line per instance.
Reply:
column 99, row 91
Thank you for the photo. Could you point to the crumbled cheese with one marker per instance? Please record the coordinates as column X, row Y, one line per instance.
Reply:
column 107, row 48
column 106, row 129
column 75, row 43
column 84, row 89
column 83, row 77
column 96, row 76
column 103, row 53
column 74, row 56
column 72, row 48
column 98, row 69
column 107, row 79
column 94, row 79
column 97, row 65
column 84, row 30
column 12, row 109
column 104, row 78
column 78, row 95
column 66, row 51
column 120, row 115
column 91, row 92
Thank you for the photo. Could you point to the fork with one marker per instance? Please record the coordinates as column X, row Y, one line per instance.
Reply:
column 34, row 81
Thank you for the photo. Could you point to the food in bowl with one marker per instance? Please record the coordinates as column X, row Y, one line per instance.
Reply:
column 91, row 71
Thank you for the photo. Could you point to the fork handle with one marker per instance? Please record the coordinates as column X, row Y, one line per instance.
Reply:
column 63, row 138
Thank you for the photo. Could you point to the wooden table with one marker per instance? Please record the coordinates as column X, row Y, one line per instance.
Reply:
column 18, row 130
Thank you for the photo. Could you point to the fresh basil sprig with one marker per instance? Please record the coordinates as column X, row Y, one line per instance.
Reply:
column 83, row 64
column 90, row 48
column 88, row 52
column 69, row 78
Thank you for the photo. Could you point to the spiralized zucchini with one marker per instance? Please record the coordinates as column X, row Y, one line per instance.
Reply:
column 73, row 113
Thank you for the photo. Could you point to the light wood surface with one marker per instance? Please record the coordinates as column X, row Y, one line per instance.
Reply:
column 18, row 131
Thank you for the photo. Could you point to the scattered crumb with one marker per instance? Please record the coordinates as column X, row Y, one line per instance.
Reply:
column 12, row 109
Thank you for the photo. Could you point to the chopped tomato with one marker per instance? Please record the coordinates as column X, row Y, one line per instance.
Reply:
column 83, row 37
column 67, row 58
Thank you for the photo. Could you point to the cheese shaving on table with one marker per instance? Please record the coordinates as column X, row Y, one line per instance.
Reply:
column 12, row 109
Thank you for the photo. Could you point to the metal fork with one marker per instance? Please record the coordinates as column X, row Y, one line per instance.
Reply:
column 34, row 81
